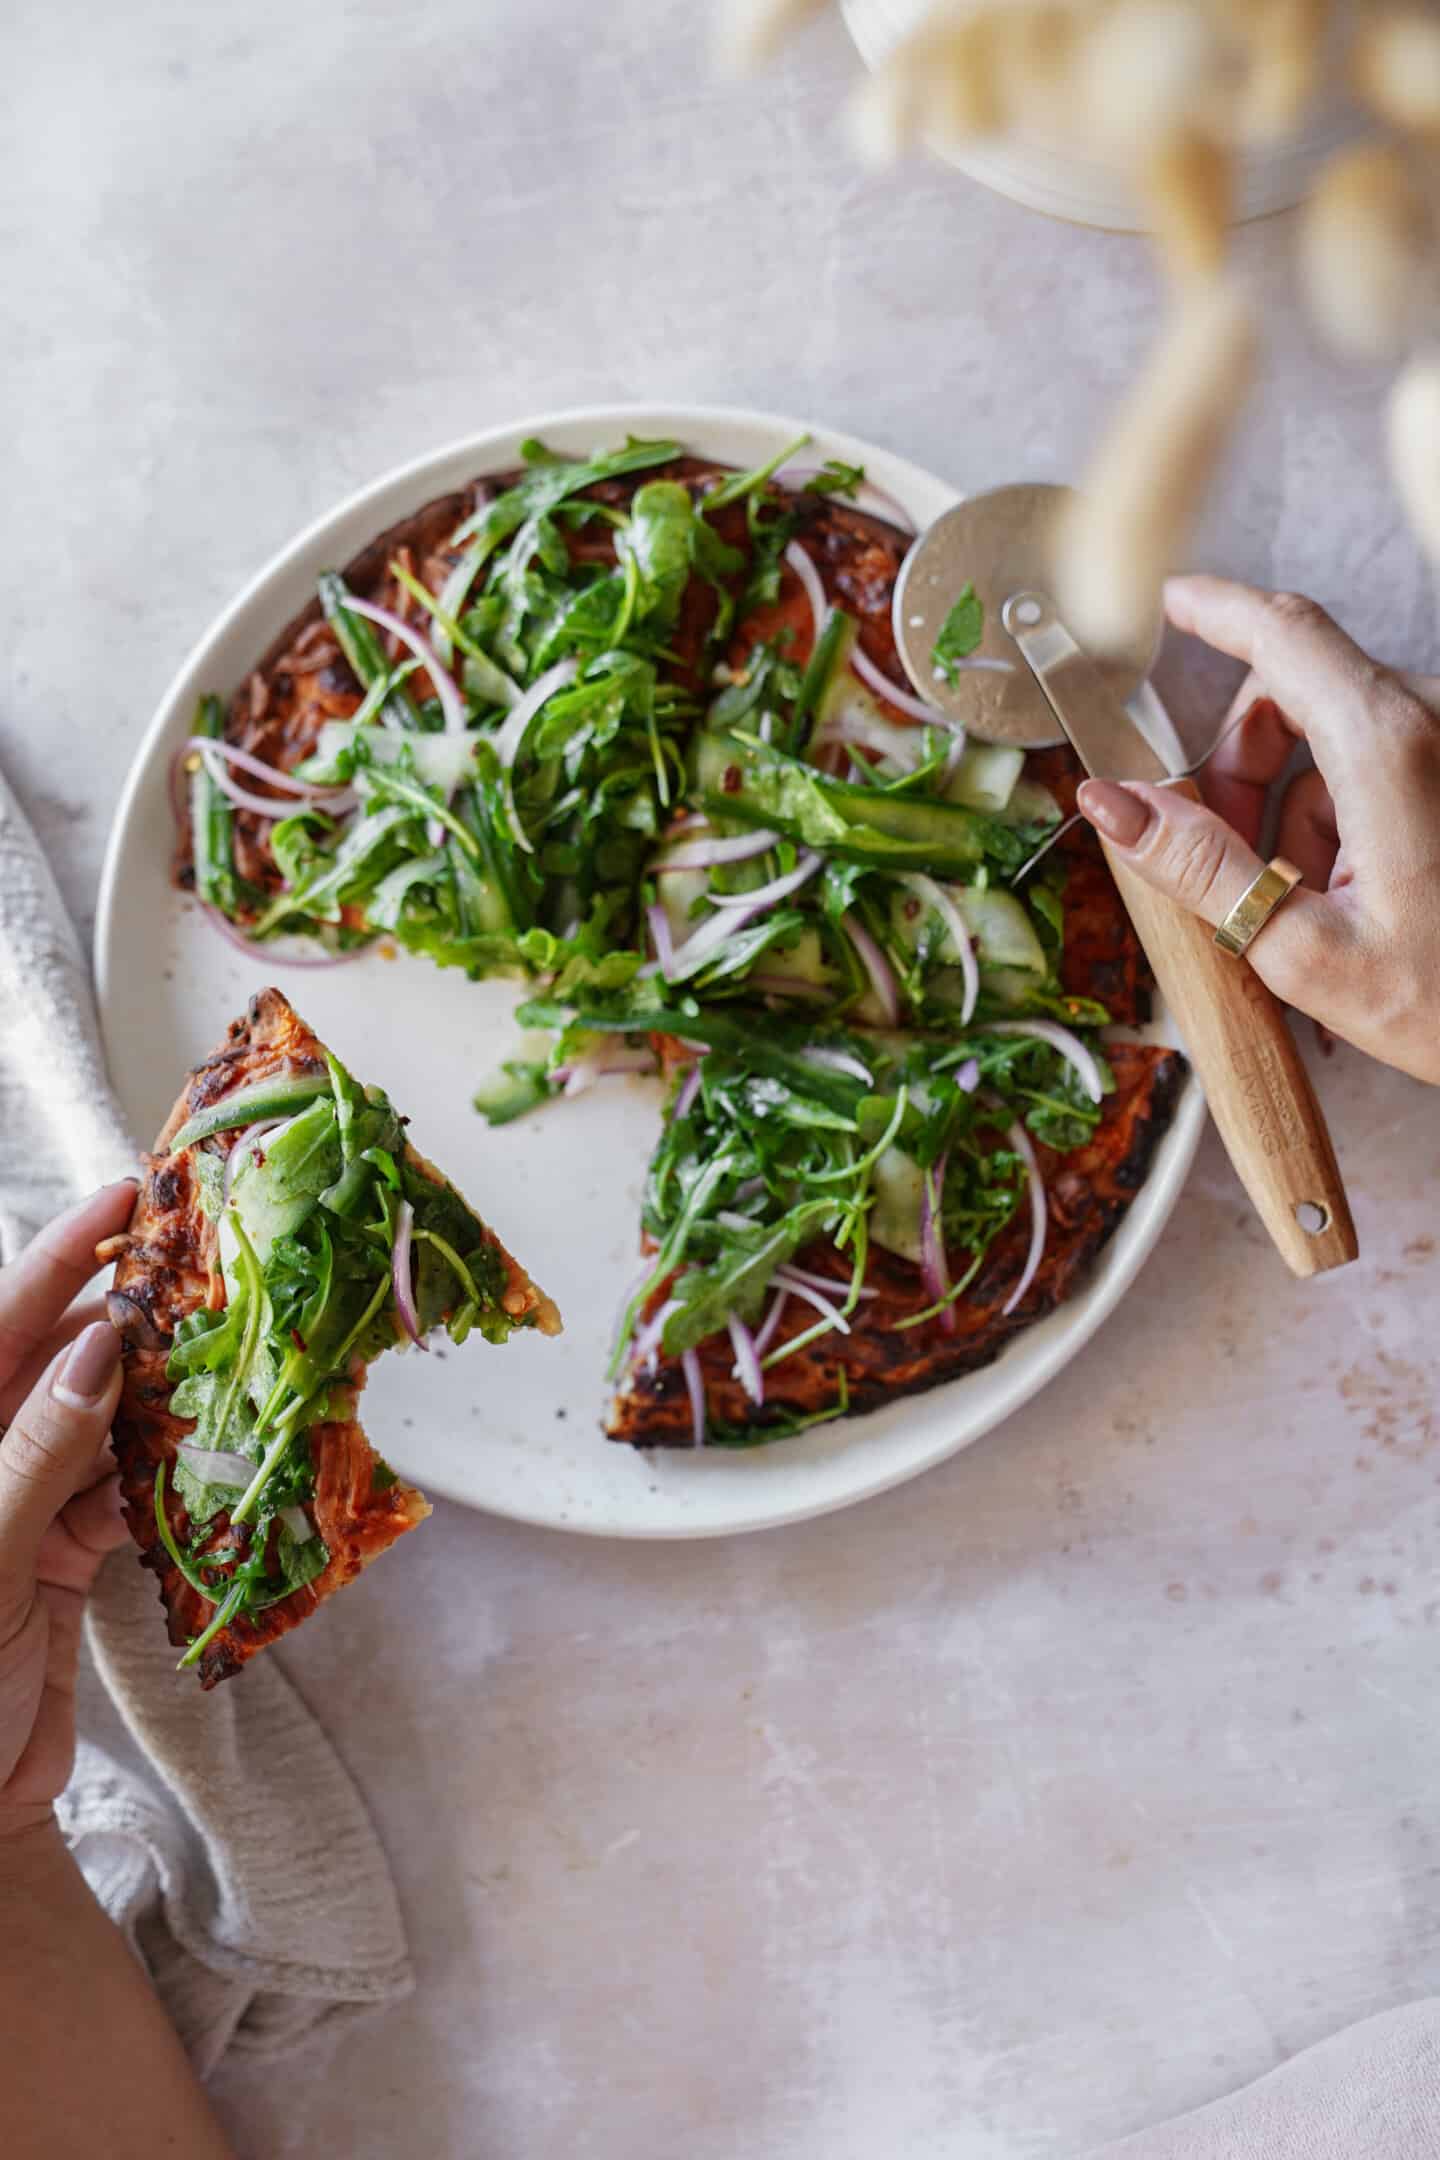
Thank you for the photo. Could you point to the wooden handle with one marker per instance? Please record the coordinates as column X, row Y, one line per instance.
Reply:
column 1258, row 1090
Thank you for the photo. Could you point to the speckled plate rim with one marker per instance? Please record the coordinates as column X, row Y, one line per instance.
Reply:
column 682, row 1495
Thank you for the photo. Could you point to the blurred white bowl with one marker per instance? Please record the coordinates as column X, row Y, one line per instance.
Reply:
column 1057, row 181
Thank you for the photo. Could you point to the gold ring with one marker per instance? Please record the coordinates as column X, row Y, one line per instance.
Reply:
column 1256, row 905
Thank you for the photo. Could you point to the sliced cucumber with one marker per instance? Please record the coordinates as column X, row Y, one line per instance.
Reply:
column 986, row 776
column 898, row 1183
column 444, row 761
column 1003, row 933
column 1031, row 803
column 805, row 959
column 828, row 678
column 678, row 890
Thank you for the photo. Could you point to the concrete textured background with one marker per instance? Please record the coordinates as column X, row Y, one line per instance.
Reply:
column 1091, row 1775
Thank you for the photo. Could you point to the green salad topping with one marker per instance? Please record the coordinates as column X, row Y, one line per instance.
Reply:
column 334, row 1247
column 637, row 787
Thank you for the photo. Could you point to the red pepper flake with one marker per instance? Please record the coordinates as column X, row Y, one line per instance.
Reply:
column 732, row 780
column 299, row 1341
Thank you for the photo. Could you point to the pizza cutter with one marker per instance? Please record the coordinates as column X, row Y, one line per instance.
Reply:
column 1034, row 687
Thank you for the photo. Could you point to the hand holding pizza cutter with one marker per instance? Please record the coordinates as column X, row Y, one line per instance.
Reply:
column 1232, row 1026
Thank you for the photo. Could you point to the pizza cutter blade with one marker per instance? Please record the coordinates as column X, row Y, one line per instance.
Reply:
column 1037, row 687
column 998, row 544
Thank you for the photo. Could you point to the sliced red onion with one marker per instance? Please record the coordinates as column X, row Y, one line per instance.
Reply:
column 507, row 739
column 764, row 896
column 452, row 704
column 689, row 1089
column 771, row 1321
column 727, row 922
column 748, row 1190
column 241, row 1142
column 873, row 735
column 1059, row 1038
column 710, row 854
column 837, row 1061
column 967, row 1076
column 234, row 935
column 209, row 746
column 606, row 1065
column 400, row 1272
column 695, row 1382
column 809, row 577
column 952, row 759
column 933, row 1265
column 297, row 1522
column 794, row 986
column 905, row 701
column 877, row 967
column 660, row 936
column 1045, row 846
column 978, row 664
column 799, row 1287
column 731, row 1219
column 789, row 1273
column 336, row 799
column 935, row 896
column 746, row 1368
column 890, row 507
column 647, row 1342
column 1019, row 1140
column 216, row 1466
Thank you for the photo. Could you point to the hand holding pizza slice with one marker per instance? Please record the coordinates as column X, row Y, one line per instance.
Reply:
column 285, row 1235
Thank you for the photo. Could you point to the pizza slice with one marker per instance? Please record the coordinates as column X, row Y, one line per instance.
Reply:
column 285, row 1235
column 820, row 1242
column 835, row 1215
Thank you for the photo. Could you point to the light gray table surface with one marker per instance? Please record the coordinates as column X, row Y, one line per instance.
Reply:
column 1094, row 1773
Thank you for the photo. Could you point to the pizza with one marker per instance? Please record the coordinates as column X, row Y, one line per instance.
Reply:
column 632, row 730
column 285, row 1234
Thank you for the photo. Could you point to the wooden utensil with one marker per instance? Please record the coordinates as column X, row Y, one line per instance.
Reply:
column 1232, row 1026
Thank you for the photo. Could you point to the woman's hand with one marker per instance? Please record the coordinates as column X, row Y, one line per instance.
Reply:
column 92, row 2064
column 1358, row 945
column 59, row 1497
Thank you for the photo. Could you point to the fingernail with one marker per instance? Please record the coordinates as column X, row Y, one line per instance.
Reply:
column 85, row 1374
column 1114, row 811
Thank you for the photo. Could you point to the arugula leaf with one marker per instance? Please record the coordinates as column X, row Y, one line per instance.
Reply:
column 658, row 540
column 737, row 1282
column 321, row 879
column 836, row 478
column 549, row 480
column 743, row 484
column 960, row 633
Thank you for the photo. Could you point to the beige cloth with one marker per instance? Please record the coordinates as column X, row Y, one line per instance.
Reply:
column 220, row 1831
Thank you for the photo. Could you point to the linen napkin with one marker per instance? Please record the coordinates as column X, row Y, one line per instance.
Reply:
column 1371, row 2092
column 221, row 1832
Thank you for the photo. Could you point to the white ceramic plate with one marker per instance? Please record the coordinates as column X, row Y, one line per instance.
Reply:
column 517, row 1430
